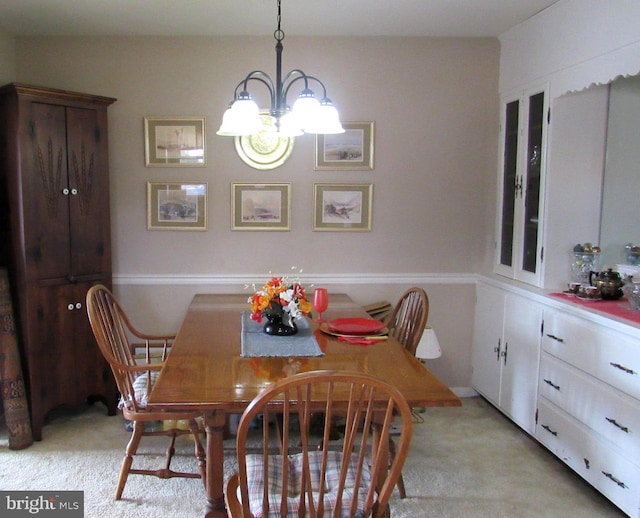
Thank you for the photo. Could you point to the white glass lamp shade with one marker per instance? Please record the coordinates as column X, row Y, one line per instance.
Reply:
column 326, row 121
column 428, row 347
column 305, row 109
column 241, row 118
column 289, row 126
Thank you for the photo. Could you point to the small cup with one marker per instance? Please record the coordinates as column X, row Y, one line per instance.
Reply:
column 592, row 292
column 574, row 287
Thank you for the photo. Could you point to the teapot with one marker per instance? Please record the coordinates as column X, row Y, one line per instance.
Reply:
column 609, row 283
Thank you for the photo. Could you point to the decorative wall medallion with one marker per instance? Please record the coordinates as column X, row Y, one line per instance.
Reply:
column 265, row 149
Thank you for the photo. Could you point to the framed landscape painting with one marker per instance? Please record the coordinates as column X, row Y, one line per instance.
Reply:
column 352, row 149
column 260, row 206
column 346, row 207
column 176, row 206
column 174, row 142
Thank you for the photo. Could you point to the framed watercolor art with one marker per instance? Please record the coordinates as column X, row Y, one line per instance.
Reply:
column 176, row 206
column 174, row 142
column 260, row 206
column 352, row 149
column 342, row 207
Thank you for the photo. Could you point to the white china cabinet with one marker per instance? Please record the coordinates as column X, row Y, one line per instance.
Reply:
column 553, row 85
column 524, row 121
column 568, row 376
column 588, row 407
column 506, row 347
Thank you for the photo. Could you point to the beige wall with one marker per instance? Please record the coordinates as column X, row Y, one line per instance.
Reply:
column 7, row 58
column 435, row 106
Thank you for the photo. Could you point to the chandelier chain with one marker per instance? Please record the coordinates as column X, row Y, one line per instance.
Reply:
column 278, row 34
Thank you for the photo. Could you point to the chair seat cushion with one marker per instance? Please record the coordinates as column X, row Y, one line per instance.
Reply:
column 334, row 460
column 141, row 389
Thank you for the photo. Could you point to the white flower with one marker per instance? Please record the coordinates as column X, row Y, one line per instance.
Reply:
column 292, row 309
column 287, row 295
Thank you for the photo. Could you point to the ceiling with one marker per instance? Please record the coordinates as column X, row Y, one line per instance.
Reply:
column 462, row 18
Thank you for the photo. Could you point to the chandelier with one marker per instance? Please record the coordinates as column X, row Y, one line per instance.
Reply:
column 308, row 115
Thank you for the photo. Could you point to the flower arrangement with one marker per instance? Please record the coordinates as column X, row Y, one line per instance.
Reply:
column 282, row 297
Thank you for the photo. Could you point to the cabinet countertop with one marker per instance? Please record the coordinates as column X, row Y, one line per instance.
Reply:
column 589, row 311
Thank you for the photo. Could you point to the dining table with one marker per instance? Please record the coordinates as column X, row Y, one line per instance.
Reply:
column 207, row 372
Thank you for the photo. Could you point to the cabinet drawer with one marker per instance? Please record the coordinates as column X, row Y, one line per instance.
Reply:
column 610, row 413
column 608, row 355
column 607, row 470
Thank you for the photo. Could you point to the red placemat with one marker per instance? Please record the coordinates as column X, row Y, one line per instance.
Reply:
column 618, row 308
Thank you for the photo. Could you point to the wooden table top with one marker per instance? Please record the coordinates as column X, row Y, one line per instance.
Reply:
column 206, row 372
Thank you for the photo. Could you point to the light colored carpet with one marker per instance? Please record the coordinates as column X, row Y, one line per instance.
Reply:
column 464, row 462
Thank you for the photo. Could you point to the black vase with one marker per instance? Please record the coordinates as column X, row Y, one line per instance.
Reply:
column 276, row 327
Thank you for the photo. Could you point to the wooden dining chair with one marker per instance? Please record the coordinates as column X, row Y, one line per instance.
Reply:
column 299, row 474
column 135, row 374
column 406, row 324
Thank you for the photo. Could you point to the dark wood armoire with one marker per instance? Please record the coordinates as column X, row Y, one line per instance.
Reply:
column 55, row 239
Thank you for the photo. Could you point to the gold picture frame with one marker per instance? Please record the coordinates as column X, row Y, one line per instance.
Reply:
column 176, row 206
column 174, row 142
column 342, row 207
column 261, row 206
column 351, row 150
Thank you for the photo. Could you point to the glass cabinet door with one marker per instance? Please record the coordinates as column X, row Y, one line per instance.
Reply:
column 519, row 251
column 532, row 188
column 509, row 179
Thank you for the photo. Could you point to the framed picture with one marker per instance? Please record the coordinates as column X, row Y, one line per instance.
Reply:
column 176, row 206
column 352, row 149
column 342, row 206
column 260, row 206
column 174, row 142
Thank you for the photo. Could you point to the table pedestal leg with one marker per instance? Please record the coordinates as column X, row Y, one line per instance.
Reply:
column 214, row 423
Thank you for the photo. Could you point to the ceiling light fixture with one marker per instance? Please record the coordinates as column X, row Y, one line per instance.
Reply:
column 308, row 115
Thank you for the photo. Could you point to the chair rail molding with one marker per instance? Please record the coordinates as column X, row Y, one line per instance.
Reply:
column 325, row 278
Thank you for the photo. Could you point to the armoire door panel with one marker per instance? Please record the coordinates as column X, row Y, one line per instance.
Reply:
column 88, row 191
column 44, row 180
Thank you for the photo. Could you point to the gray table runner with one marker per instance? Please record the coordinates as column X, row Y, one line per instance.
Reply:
column 255, row 342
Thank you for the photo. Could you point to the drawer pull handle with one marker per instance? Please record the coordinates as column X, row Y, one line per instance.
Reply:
column 551, row 384
column 623, row 368
column 554, row 337
column 615, row 423
column 548, row 429
column 614, row 479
